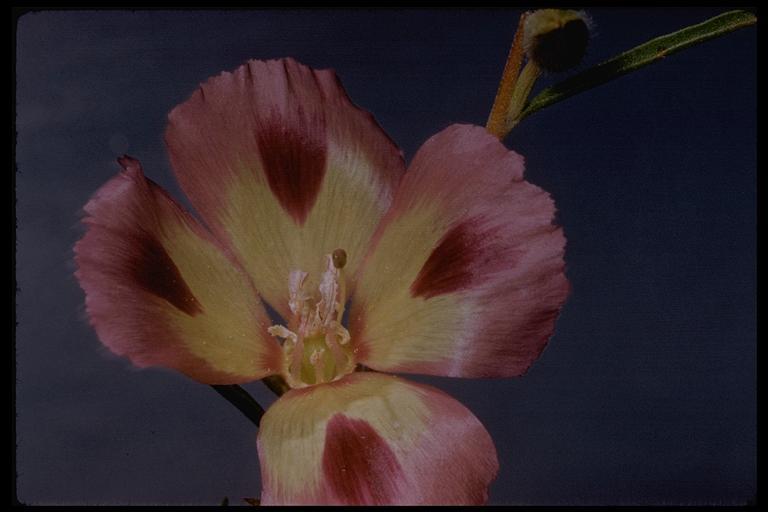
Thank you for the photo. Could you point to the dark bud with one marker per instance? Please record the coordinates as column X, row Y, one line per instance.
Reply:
column 555, row 39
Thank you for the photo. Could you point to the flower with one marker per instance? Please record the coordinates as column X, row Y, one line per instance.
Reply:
column 452, row 268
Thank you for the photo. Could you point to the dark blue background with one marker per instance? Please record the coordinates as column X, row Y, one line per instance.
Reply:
column 646, row 393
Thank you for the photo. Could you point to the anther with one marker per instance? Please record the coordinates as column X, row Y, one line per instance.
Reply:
column 316, row 342
column 339, row 258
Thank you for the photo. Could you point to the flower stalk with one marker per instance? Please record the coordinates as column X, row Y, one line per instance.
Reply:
column 276, row 384
column 241, row 399
column 497, row 119
column 525, row 82
column 511, row 106
column 552, row 40
column 640, row 56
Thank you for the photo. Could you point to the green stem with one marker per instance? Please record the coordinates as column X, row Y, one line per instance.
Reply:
column 241, row 399
column 244, row 402
column 525, row 83
column 276, row 384
column 640, row 56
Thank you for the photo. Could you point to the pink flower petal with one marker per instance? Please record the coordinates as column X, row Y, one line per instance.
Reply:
column 160, row 290
column 358, row 464
column 466, row 274
column 284, row 169
column 373, row 439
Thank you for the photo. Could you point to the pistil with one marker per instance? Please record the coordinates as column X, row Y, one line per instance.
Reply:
column 317, row 344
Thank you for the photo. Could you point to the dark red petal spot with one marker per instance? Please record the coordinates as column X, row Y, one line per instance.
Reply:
column 450, row 266
column 154, row 270
column 294, row 156
column 358, row 464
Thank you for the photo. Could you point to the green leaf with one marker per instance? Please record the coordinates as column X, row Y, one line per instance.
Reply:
column 646, row 53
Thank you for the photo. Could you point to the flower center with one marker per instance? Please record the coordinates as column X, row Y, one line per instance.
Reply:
column 315, row 344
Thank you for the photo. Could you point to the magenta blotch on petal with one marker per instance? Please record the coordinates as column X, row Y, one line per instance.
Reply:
column 453, row 263
column 162, row 292
column 373, row 439
column 359, row 466
column 150, row 265
column 465, row 276
column 283, row 168
column 294, row 162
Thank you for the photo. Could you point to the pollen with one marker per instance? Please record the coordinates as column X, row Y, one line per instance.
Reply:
column 316, row 346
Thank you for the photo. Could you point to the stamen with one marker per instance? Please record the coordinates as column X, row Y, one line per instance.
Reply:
column 329, row 288
column 298, row 355
column 338, row 355
column 296, row 296
column 342, row 300
column 280, row 331
column 296, row 345
column 341, row 332
column 339, row 258
column 315, row 327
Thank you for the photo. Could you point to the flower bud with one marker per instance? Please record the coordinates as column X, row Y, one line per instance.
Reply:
column 556, row 39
